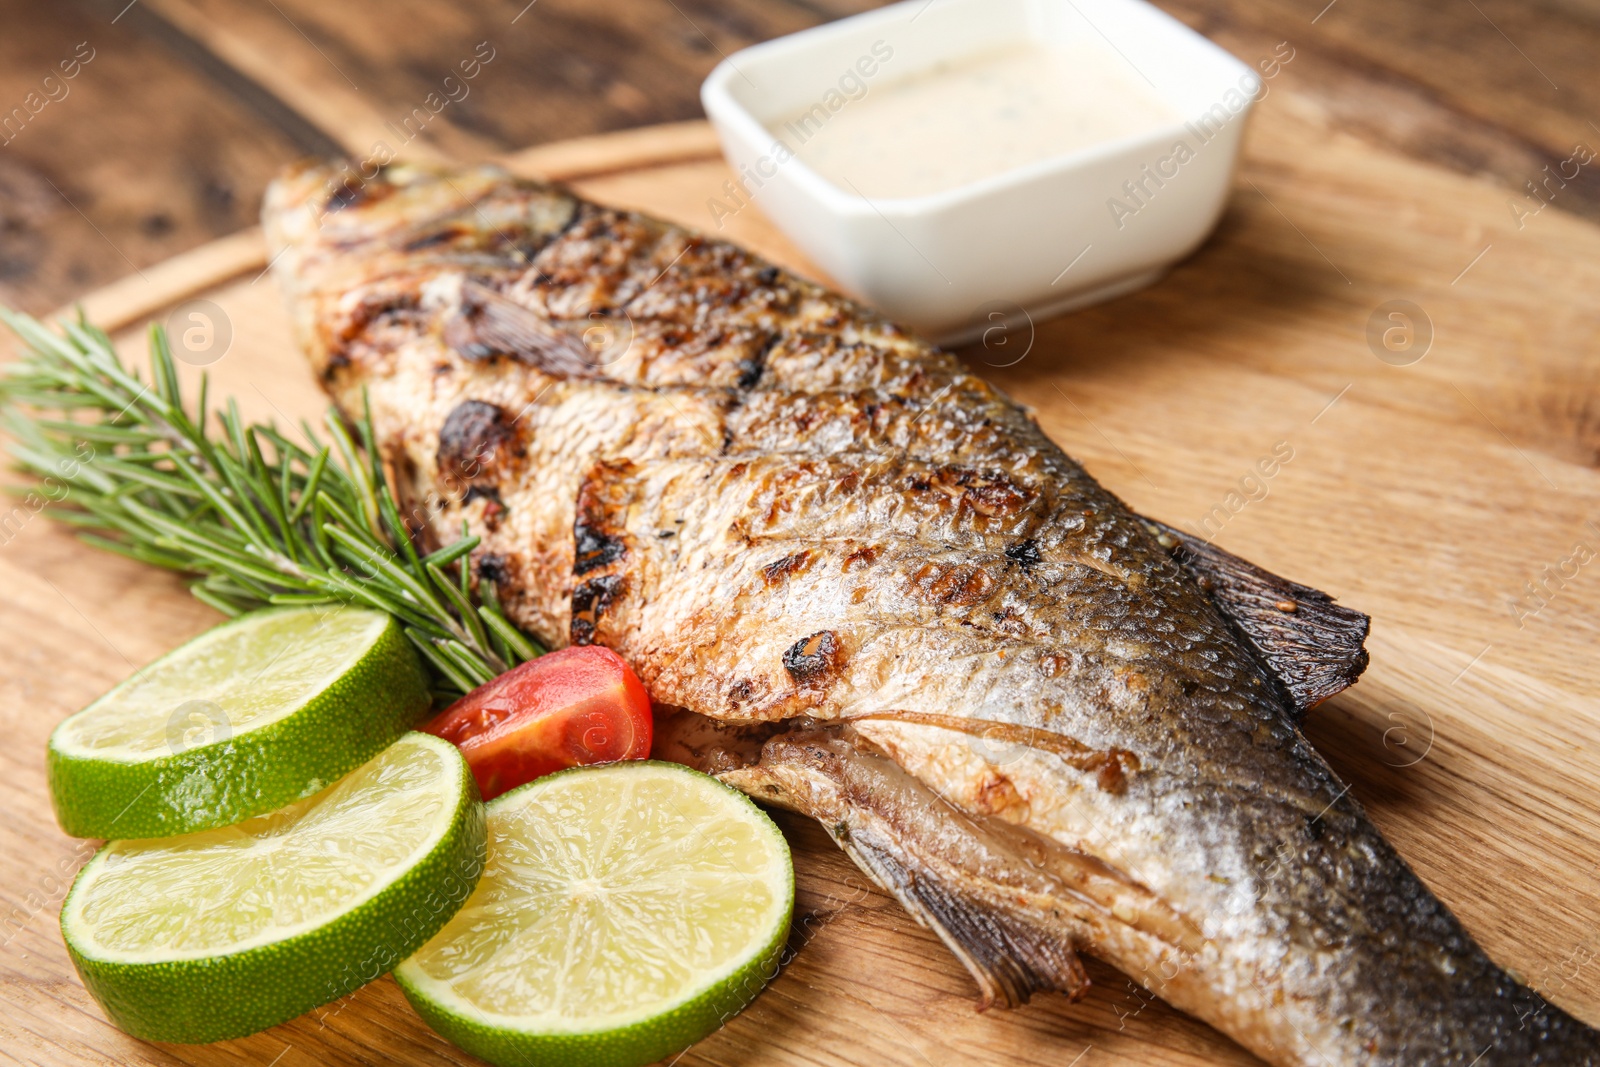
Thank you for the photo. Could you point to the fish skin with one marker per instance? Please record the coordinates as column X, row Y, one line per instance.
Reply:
column 885, row 573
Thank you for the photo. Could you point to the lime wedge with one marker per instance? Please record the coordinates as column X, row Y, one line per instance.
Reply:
column 222, row 933
column 626, row 911
column 262, row 710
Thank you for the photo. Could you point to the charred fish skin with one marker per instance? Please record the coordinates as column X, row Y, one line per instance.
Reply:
column 794, row 518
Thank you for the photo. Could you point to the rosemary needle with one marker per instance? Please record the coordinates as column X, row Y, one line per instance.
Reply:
column 255, row 518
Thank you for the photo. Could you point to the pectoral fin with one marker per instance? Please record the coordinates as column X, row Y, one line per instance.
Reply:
column 1010, row 958
column 1311, row 645
column 484, row 324
column 1004, row 918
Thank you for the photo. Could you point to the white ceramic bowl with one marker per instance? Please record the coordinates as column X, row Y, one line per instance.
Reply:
column 1036, row 240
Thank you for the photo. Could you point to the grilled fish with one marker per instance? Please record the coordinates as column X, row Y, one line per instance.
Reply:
column 861, row 583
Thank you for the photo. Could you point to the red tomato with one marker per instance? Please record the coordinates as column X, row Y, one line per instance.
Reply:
column 578, row 705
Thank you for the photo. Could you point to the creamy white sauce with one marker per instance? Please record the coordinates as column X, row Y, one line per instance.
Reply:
column 959, row 122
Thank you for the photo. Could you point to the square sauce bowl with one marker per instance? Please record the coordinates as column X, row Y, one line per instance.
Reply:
column 961, row 164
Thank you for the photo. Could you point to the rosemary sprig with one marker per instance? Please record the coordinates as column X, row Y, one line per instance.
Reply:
column 258, row 518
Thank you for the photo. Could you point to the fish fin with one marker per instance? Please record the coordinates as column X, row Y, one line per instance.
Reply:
column 1009, row 957
column 1314, row 647
column 486, row 324
column 953, row 876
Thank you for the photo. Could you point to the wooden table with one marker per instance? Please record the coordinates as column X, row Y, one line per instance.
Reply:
column 172, row 130
column 1382, row 166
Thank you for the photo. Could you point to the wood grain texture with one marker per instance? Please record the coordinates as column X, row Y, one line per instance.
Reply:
column 136, row 297
column 1491, row 88
column 138, row 158
column 1414, row 493
column 194, row 103
column 560, row 68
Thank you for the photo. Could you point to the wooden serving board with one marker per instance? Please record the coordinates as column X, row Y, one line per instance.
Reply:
column 1426, row 494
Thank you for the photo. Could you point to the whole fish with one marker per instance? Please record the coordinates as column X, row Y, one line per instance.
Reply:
column 866, row 586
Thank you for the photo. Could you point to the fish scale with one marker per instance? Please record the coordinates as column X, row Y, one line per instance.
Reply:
column 1027, row 694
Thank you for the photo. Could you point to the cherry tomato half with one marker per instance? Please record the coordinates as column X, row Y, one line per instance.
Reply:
column 576, row 706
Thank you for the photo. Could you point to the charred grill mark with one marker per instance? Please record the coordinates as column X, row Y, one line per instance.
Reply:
column 805, row 420
column 598, row 540
column 474, row 435
column 382, row 316
column 694, row 354
column 962, row 584
column 509, row 221
column 868, row 417
column 493, row 567
column 861, row 557
column 752, row 367
column 1007, row 621
column 588, row 263
column 574, row 217
column 590, row 601
column 990, row 494
column 390, row 301
column 338, row 359
column 812, row 659
column 594, row 547
column 707, row 280
column 750, row 371
column 781, row 569
column 1025, row 553
column 356, row 192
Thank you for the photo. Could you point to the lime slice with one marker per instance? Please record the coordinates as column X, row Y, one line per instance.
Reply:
column 226, row 932
column 260, row 711
column 626, row 911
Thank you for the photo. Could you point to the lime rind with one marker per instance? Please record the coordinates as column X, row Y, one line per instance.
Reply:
column 344, row 718
column 629, row 1035
column 656, row 1038
column 178, row 996
column 283, row 657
